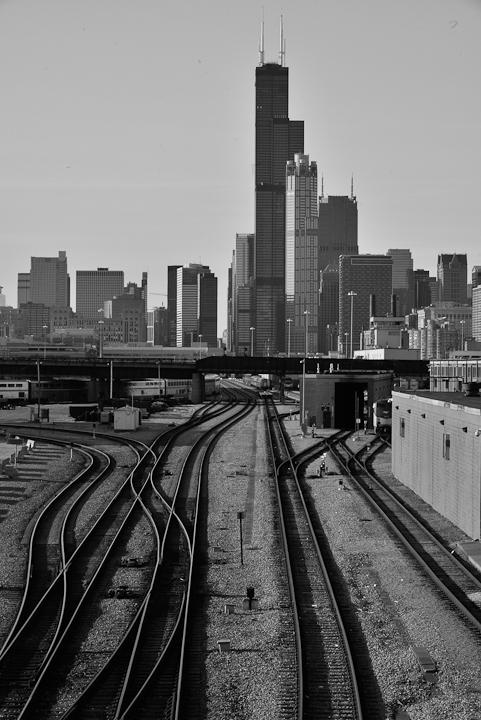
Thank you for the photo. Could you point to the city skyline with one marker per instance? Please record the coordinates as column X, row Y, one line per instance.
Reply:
column 120, row 120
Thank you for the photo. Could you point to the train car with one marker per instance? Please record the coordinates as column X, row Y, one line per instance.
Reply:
column 158, row 388
column 382, row 416
column 211, row 385
column 260, row 382
column 14, row 392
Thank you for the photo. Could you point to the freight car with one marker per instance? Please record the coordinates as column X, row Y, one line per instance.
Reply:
column 382, row 416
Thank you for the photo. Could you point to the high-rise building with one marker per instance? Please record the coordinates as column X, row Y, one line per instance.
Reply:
column 476, row 330
column 47, row 283
column 302, row 278
column 23, row 289
column 94, row 288
column 402, row 281
column 172, row 305
column 277, row 139
column 329, row 309
column 476, row 276
column 241, row 294
column 337, row 235
column 3, row 299
column 453, row 278
column 422, row 289
column 337, row 228
column 369, row 279
column 196, row 306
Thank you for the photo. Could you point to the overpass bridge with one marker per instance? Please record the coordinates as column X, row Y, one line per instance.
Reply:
column 140, row 368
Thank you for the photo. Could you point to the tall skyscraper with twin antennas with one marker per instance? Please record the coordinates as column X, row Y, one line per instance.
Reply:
column 277, row 140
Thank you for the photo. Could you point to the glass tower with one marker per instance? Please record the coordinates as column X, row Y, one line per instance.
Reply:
column 277, row 139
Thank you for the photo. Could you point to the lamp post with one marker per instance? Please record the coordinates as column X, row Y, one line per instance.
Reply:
column 45, row 328
column 38, row 388
column 302, row 414
column 252, row 340
column 101, row 354
column 289, row 322
column 352, row 295
column 346, row 343
column 462, row 333
column 306, row 313
column 200, row 347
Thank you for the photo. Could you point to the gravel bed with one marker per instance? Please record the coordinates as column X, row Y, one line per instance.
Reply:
column 396, row 606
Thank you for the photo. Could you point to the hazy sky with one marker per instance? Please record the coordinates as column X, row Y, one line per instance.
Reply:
column 127, row 127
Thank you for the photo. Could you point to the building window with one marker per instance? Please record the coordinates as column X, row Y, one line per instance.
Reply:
column 402, row 427
column 446, row 445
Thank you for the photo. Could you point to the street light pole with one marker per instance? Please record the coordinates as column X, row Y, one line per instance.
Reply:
column 252, row 340
column 306, row 313
column 200, row 347
column 101, row 352
column 289, row 322
column 45, row 327
column 302, row 414
column 462, row 334
column 352, row 294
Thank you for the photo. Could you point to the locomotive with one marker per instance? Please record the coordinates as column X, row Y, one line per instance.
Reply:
column 382, row 416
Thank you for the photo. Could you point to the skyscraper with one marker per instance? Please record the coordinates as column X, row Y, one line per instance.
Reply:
column 196, row 305
column 94, row 287
column 453, row 278
column 337, row 228
column 402, row 281
column 172, row 305
column 302, row 279
column 277, row 140
column 242, row 273
column 369, row 277
column 48, row 282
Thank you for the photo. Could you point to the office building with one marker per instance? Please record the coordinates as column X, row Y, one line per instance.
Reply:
column 337, row 228
column 241, row 294
column 422, row 289
column 369, row 278
column 402, row 281
column 3, row 299
column 302, row 278
column 329, row 309
column 172, row 305
column 196, row 306
column 476, row 316
column 47, row 283
column 277, row 139
column 476, row 276
column 94, row 288
column 453, row 278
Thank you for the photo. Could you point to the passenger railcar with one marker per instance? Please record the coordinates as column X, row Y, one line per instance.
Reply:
column 14, row 392
column 211, row 385
column 382, row 416
column 158, row 388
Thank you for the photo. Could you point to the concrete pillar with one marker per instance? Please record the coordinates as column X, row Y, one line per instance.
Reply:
column 198, row 388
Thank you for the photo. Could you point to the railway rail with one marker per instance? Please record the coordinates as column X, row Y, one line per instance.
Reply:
column 326, row 678
column 452, row 577
column 122, row 676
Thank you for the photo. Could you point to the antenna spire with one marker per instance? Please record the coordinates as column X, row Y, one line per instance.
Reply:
column 261, row 44
column 322, row 185
column 281, row 45
column 352, row 186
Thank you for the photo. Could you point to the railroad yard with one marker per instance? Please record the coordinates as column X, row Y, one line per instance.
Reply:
column 242, row 660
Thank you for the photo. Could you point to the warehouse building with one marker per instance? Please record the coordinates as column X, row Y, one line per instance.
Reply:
column 436, row 451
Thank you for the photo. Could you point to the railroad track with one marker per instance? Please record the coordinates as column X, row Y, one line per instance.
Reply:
column 326, row 680
column 113, row 678
column 459, row 584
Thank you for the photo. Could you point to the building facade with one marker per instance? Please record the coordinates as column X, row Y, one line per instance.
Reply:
column 453, row 278
column 196, row 306
column 47, row 283
column 337, row 228
column 242, row 293
column 369, row 278
column 94, row 288
column 402, row 281
column 302, row 278
column 277, row 139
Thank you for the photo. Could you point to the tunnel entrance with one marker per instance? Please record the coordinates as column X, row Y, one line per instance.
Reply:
column 350, row 403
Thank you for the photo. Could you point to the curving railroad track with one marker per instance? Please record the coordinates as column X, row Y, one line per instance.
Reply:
column 66, row 674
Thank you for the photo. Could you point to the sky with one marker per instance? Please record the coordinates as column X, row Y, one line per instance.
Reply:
column 127, row 127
